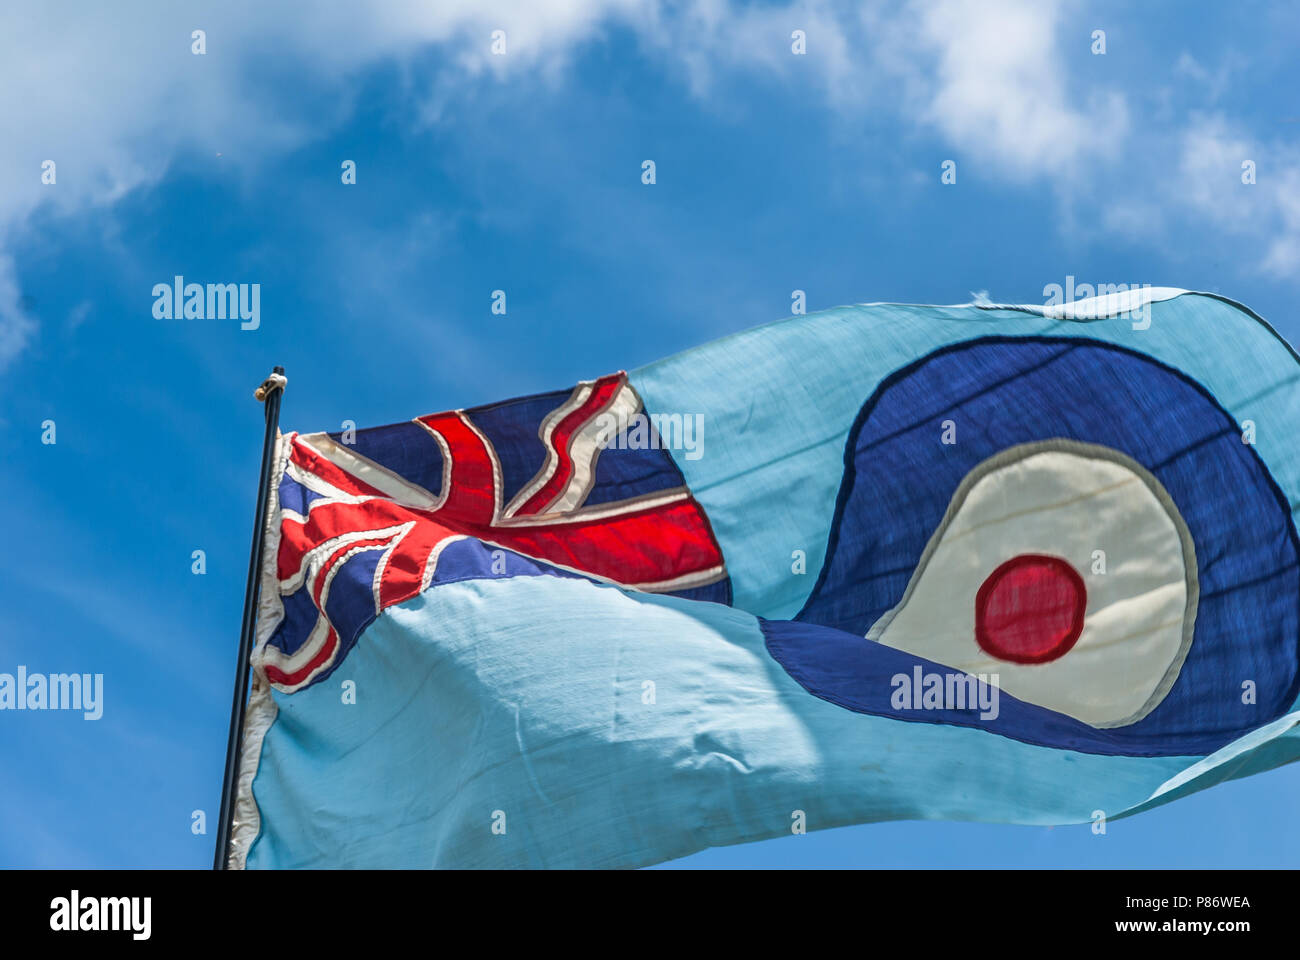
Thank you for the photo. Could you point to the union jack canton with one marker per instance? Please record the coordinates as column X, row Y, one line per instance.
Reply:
column 525, row 487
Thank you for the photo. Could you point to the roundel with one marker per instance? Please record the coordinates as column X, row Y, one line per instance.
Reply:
column 1064, row 570
column 1078, row 522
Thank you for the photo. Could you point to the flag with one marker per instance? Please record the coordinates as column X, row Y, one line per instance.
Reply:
column 1012, row 563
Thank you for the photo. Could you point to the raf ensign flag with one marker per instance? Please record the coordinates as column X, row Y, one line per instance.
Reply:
column 1031, row 564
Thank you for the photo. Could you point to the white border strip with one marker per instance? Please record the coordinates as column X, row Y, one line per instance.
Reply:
column 1092, row 308
column 261, row 710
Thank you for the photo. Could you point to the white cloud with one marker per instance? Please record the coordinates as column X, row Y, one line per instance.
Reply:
column 1208, row 178
column 115, row 103
column 1209, row 185
column 987, row 76
column 1283, row 257
column 999, row 89
column 113, row 95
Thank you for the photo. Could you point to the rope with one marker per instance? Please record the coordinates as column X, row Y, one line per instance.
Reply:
column 276, row 381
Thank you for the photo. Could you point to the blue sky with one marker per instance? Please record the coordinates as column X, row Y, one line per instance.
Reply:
column 521, row 172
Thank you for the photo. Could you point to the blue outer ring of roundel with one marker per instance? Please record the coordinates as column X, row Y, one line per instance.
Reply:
column 1004, row 391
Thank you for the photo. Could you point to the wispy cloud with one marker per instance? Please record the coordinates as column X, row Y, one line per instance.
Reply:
column 16, row 325
column 1209, row 180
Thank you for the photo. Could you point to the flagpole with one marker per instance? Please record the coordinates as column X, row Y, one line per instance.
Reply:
column 269, row 393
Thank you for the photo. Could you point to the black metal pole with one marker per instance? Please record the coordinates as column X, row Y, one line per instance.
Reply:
column 269, row 393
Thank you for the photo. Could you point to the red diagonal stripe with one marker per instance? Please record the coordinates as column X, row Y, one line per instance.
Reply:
column 329, row 520
column 309, row 460
column 642, row 546
column 472, row 493
column 602, row 393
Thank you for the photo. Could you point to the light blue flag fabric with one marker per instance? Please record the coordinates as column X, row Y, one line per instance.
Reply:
column 981, row 562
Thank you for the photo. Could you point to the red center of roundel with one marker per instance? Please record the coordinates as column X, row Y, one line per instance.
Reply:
column 1030, row 609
